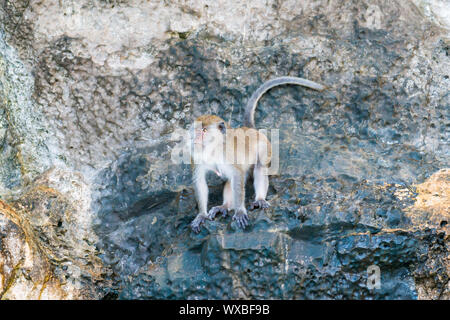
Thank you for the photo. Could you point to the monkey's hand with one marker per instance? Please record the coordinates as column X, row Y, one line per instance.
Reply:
column 259, row 204
column 215, row 210
column 198, row 221
column 241, row 218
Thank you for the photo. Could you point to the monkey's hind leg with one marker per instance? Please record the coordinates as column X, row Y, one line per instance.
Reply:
column 227, row 201
column 238, row 189
column 261, row 184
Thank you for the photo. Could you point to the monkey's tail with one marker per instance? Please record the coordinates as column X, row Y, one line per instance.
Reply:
column 249, row 117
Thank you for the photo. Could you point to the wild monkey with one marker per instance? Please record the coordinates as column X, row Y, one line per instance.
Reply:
column 233, row 153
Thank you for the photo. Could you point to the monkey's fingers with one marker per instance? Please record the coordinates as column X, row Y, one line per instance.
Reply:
column 261, row 204
column 241, row 219
column 215, row 210
column 196, row 224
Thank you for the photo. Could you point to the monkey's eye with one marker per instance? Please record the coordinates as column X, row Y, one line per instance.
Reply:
column 204, row 129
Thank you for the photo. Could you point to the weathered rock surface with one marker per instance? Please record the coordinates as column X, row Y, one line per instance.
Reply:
column 91, row 93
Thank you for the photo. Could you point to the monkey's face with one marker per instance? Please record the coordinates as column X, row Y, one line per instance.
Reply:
column 209, row 131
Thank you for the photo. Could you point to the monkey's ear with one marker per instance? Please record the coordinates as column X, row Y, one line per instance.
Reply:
column 222, row 127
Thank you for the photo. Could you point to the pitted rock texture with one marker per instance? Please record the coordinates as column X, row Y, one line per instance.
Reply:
column 92, row 93
column 46, row 251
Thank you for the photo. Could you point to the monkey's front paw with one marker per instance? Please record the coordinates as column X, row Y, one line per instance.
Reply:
column 215, row 210
column 198, row 221
column 259, row 204
column 241, row 219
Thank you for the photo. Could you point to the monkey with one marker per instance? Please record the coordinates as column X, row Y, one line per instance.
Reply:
column 233, row 153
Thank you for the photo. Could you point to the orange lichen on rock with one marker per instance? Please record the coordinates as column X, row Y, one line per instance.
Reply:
column 25, row 272
column 47, row 249
column 432, row 205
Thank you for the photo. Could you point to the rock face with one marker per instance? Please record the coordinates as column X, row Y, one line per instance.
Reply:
column 92, row 94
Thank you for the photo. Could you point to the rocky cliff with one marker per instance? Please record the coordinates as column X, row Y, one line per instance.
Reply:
column 92, row 91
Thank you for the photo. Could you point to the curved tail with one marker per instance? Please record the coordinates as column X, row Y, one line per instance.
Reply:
column 249, row 120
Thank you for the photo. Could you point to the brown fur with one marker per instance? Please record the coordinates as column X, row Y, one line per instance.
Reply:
column 252, row 151
column 209, row 119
